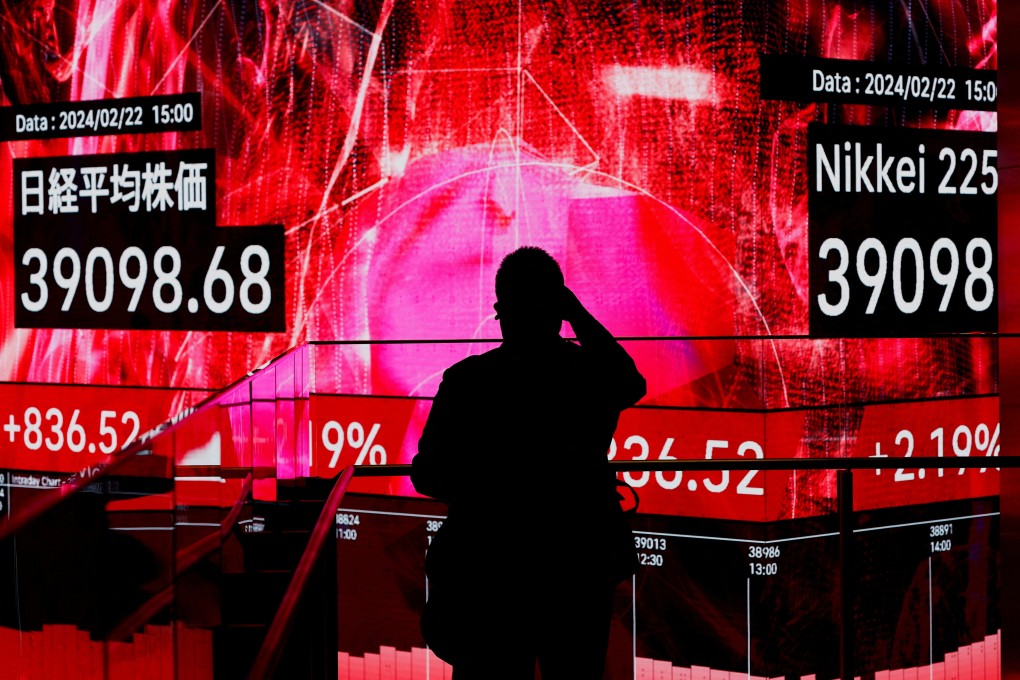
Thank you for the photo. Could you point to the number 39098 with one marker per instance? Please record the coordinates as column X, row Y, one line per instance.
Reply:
column 941, row 264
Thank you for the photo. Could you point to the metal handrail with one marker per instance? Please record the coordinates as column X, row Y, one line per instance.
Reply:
column 272, row 645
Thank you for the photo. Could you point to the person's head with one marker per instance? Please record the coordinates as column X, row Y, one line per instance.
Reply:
column 529, row 286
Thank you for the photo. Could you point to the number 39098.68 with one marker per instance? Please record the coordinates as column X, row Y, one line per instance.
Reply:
column 132, row 271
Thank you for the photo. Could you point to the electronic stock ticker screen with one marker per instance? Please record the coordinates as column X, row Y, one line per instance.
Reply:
column 787, row 209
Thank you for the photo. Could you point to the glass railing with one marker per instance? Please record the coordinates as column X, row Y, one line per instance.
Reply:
column 97, row 584
column 188, row 556
column 907, row 591
column 149, row 565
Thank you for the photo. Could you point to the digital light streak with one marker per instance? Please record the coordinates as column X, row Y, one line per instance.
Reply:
column 682, row 83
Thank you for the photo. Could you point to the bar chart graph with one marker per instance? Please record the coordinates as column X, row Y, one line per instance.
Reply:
column 977, row 661
column 63, row 652
column 389, row 663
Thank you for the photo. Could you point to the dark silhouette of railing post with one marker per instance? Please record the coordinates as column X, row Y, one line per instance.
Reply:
column 845, row 501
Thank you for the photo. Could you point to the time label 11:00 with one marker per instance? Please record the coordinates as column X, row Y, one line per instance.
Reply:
column 132, row 270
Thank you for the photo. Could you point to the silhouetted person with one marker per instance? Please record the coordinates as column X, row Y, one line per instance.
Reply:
column 535, row 542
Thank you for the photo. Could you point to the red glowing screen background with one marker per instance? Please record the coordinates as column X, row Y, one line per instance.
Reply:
column 406, row 147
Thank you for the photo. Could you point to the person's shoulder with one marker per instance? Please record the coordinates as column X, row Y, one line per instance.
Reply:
column 472, row 366
column 465, row 365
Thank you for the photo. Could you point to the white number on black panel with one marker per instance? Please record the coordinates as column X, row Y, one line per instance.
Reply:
column 905, row 269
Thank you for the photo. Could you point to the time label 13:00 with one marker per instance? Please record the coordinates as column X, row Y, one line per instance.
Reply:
column 100, row 273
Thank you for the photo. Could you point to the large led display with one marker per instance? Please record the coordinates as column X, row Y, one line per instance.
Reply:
column 786, row 209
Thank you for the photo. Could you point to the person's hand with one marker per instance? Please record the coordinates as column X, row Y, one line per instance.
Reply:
column 571, row 307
